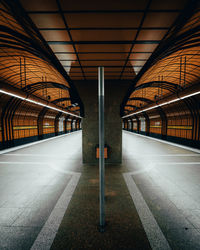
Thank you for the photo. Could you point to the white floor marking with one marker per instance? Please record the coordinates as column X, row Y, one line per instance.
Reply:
column 166, row 142
column 23, row 162
column 172, row 155
column 155, row 236
column 149, row 167
column 179, row 163
column 48, row 232
column 42, row 155
column 50, row 164
column 61, row 169
column 4, row 151
column 46, row 236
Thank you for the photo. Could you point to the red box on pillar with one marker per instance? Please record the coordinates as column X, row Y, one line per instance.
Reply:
column 105, row 152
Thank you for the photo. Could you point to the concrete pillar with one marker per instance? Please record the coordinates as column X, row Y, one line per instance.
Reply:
column 114, row 93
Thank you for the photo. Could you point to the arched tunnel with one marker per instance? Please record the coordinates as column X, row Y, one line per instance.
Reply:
column 50, row 52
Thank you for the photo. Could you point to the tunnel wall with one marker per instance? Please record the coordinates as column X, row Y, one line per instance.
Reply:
column 175, row 122
column 30, row 70
column 23, row 122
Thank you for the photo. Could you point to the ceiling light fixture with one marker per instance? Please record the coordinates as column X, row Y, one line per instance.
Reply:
column 163, row 104
column 38, row 103
column 186, row 96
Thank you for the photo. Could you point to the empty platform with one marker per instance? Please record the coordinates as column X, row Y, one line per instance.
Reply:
column 48, row 199
column 36, row 184
column 165, row 178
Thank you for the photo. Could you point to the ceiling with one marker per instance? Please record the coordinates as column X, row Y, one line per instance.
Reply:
column 47, row 44
column 119, row 35
column 27, row 63
column 173, row 67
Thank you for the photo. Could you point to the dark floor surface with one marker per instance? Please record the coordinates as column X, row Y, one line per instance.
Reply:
column 79, row 228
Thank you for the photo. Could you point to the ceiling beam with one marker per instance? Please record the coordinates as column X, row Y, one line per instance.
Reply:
column 97, row 52
column 102, row 60
column 103, row 42
column 106, row 11
column 136, row 36
column 109, row 66
column 69, row 34
column 105, row 28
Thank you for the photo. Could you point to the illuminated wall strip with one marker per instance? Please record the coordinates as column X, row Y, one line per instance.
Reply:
column 163, row 104
column 180, row 127
column 155, row 126
column 38, row 103
column 24, row 127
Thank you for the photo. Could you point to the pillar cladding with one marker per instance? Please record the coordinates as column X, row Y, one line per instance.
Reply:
column 114, row 93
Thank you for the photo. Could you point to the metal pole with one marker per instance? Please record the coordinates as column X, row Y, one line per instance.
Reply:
column 101, row 148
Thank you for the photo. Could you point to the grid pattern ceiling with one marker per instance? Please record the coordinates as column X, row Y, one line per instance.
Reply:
column 119, row 35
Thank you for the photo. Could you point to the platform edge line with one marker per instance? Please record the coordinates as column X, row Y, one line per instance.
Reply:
column 154, row 234
column 48, row 232
column 196, row 150
column 8, row 150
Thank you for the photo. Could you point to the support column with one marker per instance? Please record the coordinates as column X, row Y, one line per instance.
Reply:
column 147, row 122
column 72, row 123
column 138, row 124
column 65, row 124
column 56, row 123
column 164, row 122
column 40, row 122
column 101, row 147
column 131, row 125
column 114, row 93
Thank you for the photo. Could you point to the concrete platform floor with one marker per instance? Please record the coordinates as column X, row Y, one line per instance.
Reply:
column 168, row 179
column 36, row 184
column 48, row 199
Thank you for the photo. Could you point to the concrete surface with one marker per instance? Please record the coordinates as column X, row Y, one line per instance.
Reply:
column 32, row 180
column 157, row 205
column 79, row 228
column 168, row 177
column 114, row 93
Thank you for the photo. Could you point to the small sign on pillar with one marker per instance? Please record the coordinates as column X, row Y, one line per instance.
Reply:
column 105, row 151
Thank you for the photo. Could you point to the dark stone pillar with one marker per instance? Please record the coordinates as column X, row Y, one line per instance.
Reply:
column 114, row 93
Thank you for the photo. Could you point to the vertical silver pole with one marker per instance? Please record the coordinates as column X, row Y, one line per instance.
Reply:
column 101, row 148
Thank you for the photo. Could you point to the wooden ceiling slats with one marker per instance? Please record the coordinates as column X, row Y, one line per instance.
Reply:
column 114, row 21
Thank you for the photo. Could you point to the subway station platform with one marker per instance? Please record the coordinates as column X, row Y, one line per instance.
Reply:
column 49, row 199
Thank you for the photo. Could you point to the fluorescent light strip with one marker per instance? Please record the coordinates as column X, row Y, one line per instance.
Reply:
column 38, row 103
column 196, row 93
column 10, row 94
column 163, row 104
